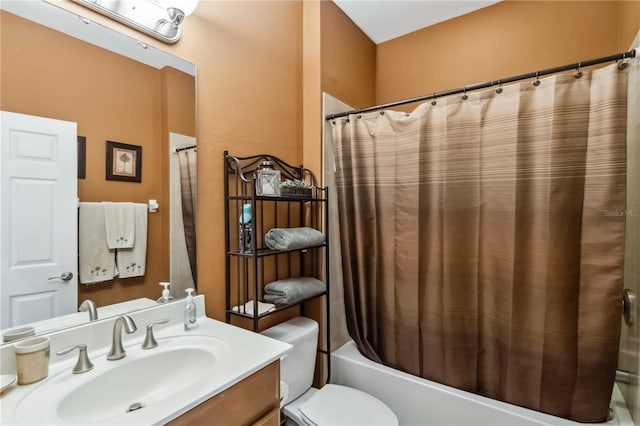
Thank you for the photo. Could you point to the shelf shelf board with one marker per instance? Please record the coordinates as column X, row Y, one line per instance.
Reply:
column 264, row 252
column 279, row 308
column 277, row 199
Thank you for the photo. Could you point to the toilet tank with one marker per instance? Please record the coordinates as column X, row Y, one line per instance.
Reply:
column 298, row 365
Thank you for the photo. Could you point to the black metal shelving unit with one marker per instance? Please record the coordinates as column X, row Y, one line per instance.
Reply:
column 248, row 272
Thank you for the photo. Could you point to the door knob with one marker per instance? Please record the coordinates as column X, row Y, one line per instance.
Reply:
column 65, row 276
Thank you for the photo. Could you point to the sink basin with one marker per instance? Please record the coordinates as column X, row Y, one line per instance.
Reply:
column 116, row 392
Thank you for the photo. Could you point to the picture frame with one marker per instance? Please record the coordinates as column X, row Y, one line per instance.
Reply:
column 82, row 157
column 123, row 162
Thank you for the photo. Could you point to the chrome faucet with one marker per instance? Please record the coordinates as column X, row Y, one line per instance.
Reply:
column 89, row 306
column 117, row 351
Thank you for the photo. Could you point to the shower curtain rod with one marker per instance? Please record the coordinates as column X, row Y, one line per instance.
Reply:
column 536, row 74
column 185, row 148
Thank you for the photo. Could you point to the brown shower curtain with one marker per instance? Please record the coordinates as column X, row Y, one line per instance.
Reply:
column 189, row 195
column 482, row 239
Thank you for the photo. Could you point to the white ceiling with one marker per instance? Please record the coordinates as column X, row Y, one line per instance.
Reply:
column 383, row 20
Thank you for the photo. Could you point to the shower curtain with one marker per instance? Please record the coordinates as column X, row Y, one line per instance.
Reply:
column 189, row 193
column 482, row 239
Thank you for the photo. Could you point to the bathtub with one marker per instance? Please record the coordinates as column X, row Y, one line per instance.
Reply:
column 418, row 401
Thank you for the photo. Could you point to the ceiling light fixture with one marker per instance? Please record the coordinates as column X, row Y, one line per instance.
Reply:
column 177, row 10
column 160, row 19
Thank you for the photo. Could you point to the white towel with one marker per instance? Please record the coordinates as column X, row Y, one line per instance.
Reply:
column 119, row 222
column 96, row 261
column 248, row 308
column 132, row 261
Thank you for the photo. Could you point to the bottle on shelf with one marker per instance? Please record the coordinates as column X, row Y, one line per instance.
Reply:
column 245, row 238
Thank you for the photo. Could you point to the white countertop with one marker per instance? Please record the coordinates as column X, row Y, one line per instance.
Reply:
column 248, row 353
column 78, row 318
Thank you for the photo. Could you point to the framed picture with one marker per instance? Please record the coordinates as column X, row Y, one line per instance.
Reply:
column 124, row 162
column 82, row 157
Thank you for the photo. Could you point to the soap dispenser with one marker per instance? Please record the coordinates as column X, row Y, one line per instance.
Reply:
column 189, row 311
column 166, row 294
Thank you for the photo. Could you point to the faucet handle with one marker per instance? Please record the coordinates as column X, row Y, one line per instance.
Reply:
column 150, row 340
column 84, row 364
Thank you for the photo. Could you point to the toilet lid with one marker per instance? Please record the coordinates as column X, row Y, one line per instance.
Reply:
column 340, row 405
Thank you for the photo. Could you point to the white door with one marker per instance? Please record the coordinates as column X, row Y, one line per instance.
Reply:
column 38, row 218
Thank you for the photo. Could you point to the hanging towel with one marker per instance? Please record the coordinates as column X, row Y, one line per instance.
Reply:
column 96, row 261
column 293, row 238
column 247, row 308
column 293, row 290
column 120, row 225
column 132, row 261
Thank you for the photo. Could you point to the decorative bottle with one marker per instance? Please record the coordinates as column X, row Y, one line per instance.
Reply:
column 245, row 238
column 189, row 311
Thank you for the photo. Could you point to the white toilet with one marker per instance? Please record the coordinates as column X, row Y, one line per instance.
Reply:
column 331, row 405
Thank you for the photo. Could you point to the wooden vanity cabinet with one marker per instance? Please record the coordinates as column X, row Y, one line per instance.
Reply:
column 253, row 401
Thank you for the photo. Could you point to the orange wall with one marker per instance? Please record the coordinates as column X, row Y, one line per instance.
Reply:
column 508, row 38
column 629, row 23
column 339, row 59
column 348, row 58
column 311, row 87
column 249, row 100
column 49, row 74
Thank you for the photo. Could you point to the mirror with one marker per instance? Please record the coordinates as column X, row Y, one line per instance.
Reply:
column 58, row 65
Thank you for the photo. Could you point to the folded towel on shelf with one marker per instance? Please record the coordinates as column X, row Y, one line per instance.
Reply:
column 132, row 261
column 96, row 262
column 247, row 308
column 293, row 238
column 292, row 290
column 119, row 223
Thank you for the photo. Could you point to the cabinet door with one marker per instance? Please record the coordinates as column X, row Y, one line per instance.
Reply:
column 272, row 418
column 252, row 401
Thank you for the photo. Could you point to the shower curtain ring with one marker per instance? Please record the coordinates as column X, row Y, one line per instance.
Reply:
column 464, row 96
column 499, row 89
column 433, row 101
column 536, row 82
column 621, row 64
column 578, row 73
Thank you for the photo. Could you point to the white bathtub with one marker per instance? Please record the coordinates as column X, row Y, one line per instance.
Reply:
column 418, row 401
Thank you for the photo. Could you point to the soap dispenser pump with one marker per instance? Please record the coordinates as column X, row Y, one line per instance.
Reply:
column 166, row 294
column 189, row 311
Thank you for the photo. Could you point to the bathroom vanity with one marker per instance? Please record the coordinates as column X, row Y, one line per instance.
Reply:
column 215, row 374
column 255, row 400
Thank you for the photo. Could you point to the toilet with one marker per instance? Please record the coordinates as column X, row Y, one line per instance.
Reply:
column 331, row 405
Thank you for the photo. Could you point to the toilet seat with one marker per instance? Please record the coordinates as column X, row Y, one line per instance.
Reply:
column 341, row 405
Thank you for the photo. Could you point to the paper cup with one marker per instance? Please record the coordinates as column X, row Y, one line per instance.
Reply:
column 32, row 360
column 18, row 333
